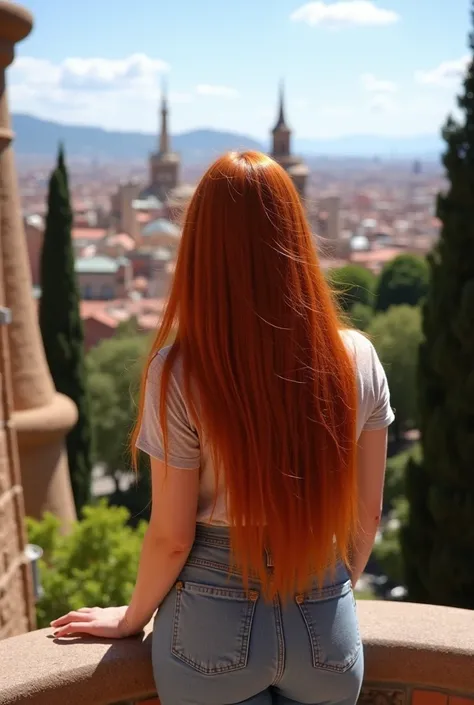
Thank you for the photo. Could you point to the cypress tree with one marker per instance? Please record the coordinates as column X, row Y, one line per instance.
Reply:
column 438, row 541
column 61, row 327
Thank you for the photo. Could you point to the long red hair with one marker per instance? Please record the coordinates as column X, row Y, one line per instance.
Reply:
column 273, row 387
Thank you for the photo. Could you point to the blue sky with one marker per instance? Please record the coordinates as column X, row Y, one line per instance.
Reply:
column 350, row 66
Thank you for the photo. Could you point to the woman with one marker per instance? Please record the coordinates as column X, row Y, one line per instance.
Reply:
column 266, row 426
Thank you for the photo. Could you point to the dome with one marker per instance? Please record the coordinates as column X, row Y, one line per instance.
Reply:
column 161, row 226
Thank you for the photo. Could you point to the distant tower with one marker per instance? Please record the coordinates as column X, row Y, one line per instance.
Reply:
column 164, row 164
column 164, row 137
column 281, row 132
column 281, row 150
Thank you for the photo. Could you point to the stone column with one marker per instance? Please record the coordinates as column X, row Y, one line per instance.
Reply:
column 41, row 416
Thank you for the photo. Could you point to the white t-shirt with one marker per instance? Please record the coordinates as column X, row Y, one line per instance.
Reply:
column 186, row 450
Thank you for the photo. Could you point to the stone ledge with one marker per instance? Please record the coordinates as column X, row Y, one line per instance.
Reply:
column 420, row 645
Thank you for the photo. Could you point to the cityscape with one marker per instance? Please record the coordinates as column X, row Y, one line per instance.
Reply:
column 126, row 234
column 100, row 157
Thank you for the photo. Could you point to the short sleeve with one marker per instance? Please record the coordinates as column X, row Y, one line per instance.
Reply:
column 381, row 413
column 183, row 440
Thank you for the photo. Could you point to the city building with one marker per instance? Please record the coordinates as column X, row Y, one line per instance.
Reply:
column 103, row 278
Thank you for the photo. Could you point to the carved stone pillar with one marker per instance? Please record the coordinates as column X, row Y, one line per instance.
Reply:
column 41, row 416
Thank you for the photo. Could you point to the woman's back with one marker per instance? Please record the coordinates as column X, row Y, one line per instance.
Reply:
column 266, row 375
column 189, row 448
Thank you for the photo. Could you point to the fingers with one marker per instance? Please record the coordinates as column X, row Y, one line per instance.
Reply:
column 76, row 628
column 82, row 615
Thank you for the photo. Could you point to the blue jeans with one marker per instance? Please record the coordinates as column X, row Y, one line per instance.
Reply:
column 213, row 644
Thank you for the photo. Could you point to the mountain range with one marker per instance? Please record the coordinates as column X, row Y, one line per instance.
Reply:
column 35, row 137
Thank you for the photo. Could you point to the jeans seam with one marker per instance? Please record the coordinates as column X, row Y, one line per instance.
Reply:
column 322, row 593
column 201, row 589
column 280, row 642
column 204, row 563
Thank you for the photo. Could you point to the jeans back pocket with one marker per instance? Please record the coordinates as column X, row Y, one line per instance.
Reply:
column 212, row 627
column 333, row 629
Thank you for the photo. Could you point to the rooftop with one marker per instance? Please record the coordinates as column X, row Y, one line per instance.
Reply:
column 89, row 234
column 97, row 265
column 150, row 202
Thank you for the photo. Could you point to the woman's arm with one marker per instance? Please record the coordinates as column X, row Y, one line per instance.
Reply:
column 168, row 540
column 371, row 461
column 166, row 546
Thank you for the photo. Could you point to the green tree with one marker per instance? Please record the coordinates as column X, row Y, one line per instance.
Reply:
column 396, row 335
column 395, row 476
column 403, row 280
column 360, row 316
column 93, row 565
column 61, row 327
column 114, row 371
column 352, row 285
column 438, row 542
column 387, row 551
column 114, row 368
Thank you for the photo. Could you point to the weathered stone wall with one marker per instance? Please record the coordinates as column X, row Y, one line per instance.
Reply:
column 414, row 655
column 41, row 417
column 16, row 605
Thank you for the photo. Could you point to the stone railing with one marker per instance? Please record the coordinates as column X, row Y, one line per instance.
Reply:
column 415, row 655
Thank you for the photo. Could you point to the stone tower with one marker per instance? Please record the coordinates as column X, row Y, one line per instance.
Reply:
column 281, row 150
column 40, row 416
column 164, row 164
column 16, row 594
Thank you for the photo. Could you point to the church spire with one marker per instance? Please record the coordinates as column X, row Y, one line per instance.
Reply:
column 164, row 146
column 281, row 132
column 281, row 122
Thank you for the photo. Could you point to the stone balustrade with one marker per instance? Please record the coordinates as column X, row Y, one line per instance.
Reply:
column 415, row 655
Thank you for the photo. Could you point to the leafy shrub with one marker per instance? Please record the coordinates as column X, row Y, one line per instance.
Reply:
column 94, row 565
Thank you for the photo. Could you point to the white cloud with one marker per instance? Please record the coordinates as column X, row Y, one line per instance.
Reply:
column 376, row 85
column 134, row 72
column 218, row 91
column 90, row 91
column 448, row 73
column 362, row 13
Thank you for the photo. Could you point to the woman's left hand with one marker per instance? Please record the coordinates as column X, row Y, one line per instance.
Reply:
column 105, row 622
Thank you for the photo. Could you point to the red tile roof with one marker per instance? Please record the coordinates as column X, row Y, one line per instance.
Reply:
column 92, row 234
